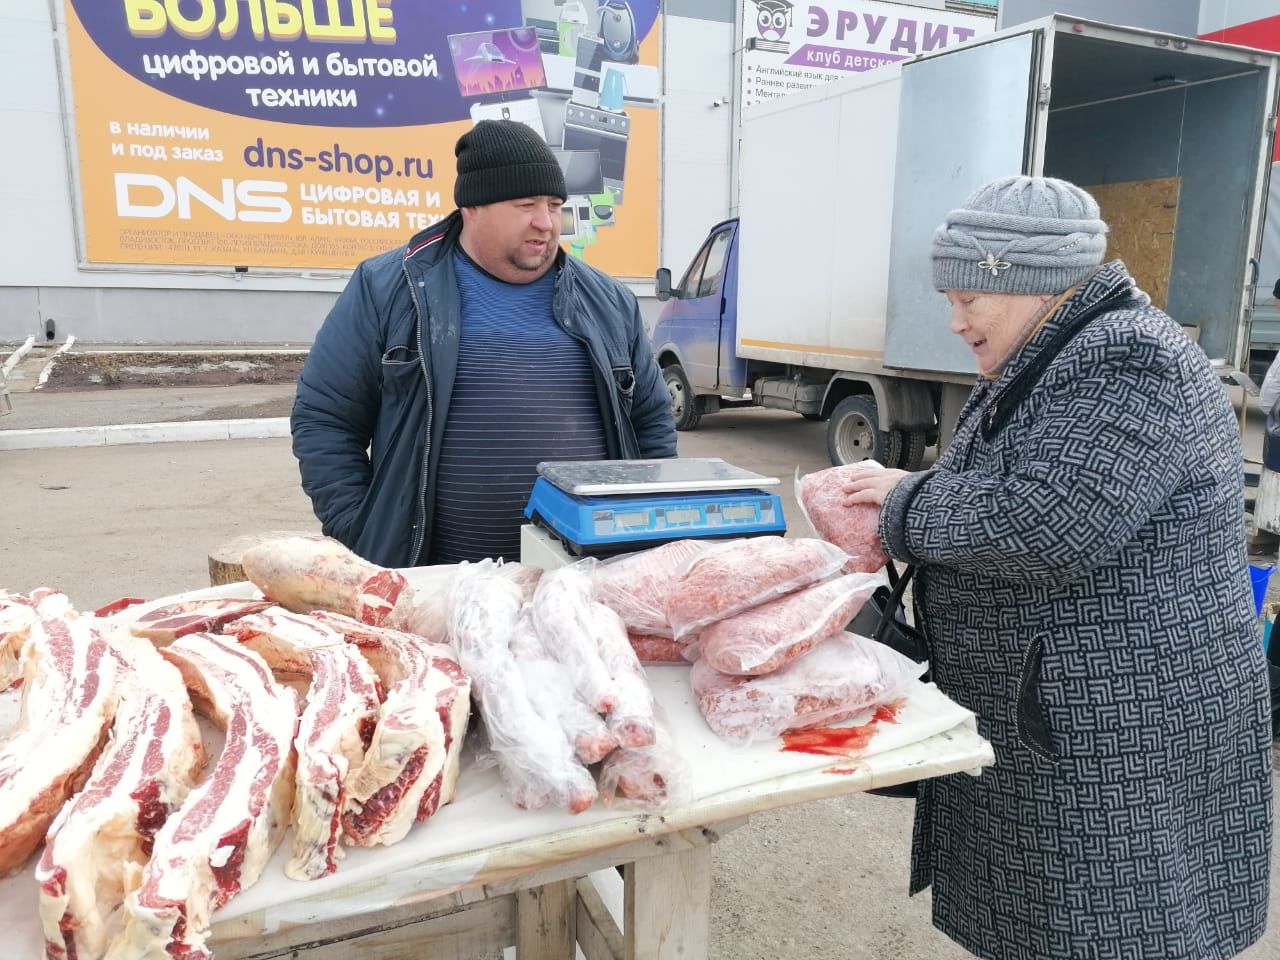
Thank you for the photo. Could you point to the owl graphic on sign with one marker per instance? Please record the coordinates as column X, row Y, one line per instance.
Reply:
column 773, row 17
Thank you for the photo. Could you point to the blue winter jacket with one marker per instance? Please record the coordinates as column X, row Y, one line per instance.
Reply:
column 373, row 397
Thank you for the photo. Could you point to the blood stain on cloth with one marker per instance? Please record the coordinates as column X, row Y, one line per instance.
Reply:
column 839, row 741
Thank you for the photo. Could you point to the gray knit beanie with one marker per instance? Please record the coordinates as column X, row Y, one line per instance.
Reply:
column 1027, row 235
column 505, row 160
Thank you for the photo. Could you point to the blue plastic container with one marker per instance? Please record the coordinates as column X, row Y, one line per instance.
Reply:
column 1259, row 577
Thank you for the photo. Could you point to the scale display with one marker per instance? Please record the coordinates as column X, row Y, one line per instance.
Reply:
column 650, row 512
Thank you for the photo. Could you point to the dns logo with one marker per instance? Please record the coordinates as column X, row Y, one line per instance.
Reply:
column 773, row 17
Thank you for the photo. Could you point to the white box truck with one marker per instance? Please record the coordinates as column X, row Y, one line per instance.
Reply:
column 818, row 297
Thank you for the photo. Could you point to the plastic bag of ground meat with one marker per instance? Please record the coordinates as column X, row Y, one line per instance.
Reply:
column 636, row 586
column 651, row 649
column 768, row 637
column 729, row 578
column 855, row 530
column 838, row 679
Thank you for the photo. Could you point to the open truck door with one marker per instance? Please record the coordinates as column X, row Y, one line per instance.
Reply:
column 1172, row 136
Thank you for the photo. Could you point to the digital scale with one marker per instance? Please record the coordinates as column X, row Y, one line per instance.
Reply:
column 604, row 507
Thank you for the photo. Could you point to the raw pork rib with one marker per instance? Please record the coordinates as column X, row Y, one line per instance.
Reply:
column 219, row 840
column 769, row 636
column 100, row 841
column 166, row 624
column 17, row 614
column 836, row 680
column 856, row 529
column 410, row 769
column 731, row 577
column 636, row 586
column 68, row 700
column 534, row 755
column 562, row 613
column 631, row 720
column 318, row 573
column 336, row 727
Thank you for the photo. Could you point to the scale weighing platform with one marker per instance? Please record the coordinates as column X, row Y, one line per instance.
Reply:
column 604, row 507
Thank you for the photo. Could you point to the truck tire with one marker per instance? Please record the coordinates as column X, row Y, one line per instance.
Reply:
column 684, row 405
column 914, row 443
column 853, row 434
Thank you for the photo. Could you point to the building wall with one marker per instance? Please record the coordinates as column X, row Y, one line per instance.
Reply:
column 41, row 277
column 1167, row 16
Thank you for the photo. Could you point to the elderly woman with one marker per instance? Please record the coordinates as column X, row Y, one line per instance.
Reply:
column 1082, row 582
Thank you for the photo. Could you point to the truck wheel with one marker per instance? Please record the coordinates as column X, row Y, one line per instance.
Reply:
column 914, row 443
column 853, row 434
column 684, row 405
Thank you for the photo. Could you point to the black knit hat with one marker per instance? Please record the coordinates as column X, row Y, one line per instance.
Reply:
column 504, row 160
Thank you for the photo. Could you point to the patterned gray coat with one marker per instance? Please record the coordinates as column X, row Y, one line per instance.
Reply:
column 1083, row 584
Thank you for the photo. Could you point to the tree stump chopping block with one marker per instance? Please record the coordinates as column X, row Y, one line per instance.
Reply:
column 224, row 560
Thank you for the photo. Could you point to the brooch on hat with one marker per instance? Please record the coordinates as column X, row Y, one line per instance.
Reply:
column 992, row 265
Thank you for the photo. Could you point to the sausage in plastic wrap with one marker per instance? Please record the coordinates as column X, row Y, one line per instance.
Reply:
column 534, row 756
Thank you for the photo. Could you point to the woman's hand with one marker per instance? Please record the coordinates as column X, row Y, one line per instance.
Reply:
column 872, row 487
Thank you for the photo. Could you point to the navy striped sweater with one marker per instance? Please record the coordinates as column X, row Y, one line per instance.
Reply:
column 524, row 392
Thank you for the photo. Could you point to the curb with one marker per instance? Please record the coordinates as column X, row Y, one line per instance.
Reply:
column 128, row 433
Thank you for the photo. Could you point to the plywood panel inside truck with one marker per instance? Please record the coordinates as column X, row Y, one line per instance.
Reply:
column 1142, row 215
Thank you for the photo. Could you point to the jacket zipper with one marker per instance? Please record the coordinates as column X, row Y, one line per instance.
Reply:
column 420, row 530
column 606, row 376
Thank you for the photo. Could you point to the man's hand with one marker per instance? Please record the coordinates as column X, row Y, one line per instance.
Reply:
column 872, row 487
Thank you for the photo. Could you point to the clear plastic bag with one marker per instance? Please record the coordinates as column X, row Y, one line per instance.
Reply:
column 653, row 649
column 562, row 613
column 552, row 694
column 729, row 578
column 654, row 777
column 768, row 637
column 856, row 529
column 636, row 586
column 631, row 719
column 534, row 755
column 838, row 679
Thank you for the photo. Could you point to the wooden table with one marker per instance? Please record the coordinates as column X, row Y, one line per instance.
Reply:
column 534, row 894
column 482, row 875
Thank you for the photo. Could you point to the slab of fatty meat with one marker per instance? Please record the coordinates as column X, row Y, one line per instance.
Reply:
column 101, row 840
column 217, row 843
column 303, row 574
column 17, row 613
column 68, row 700
column 411, row 767
column 166, row 624
column 335, row 729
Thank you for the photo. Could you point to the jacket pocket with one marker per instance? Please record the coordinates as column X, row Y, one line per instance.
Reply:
column 1033, row 728
column 401, row 366
column 624, row 385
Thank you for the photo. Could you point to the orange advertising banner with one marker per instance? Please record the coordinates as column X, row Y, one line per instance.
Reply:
column 311, row 134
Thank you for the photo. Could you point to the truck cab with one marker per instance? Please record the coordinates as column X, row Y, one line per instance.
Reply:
column 695, row 342
column 695, row 337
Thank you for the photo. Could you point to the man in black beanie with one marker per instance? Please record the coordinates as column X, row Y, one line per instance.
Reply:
column 450, row 367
